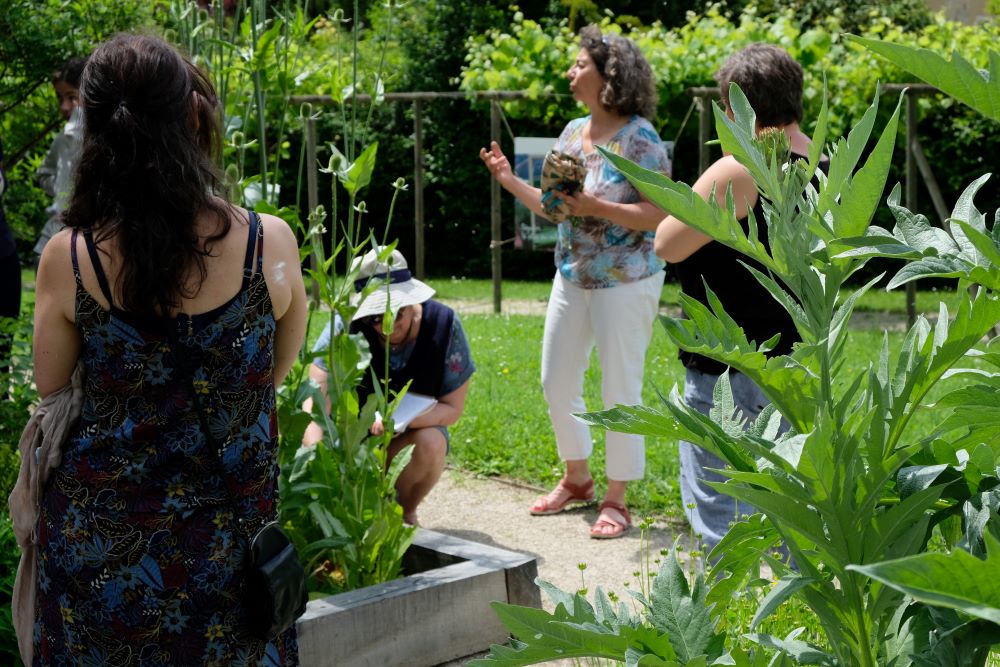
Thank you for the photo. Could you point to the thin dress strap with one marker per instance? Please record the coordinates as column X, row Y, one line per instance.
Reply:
column 96, row 261
column 252, row 235
column 76, row 260
column 260, row 245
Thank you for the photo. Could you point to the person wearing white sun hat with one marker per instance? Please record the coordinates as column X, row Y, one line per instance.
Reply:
column 426, row 346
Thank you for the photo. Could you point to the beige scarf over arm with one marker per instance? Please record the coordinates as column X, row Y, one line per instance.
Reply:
column 41, row 453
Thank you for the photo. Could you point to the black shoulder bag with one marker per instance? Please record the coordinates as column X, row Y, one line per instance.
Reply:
column 274, row 590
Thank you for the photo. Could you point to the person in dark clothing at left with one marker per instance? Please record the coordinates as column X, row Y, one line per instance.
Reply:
column 10, row 282
column 427, row 347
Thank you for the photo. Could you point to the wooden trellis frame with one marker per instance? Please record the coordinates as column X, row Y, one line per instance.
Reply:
column 417, row 99
column 916, row 161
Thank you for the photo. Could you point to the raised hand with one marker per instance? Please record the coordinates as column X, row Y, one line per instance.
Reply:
column 497, row 163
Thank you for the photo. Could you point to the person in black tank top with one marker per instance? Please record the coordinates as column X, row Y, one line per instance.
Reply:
column 772, row 82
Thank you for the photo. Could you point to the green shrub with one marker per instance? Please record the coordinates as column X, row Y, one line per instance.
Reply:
column 531, row 57
column 853, row 15
column 10, row 554
column 528, row 55
column 39, row 35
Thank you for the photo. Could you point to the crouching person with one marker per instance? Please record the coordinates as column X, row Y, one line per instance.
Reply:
column 427, row 347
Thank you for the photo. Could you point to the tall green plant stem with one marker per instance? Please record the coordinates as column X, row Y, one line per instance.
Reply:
column 258, row 13
column 865, row 651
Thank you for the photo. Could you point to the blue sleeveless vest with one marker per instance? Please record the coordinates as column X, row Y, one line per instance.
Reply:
column 427, row 360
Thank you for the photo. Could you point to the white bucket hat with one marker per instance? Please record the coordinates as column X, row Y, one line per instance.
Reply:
column 404, row 289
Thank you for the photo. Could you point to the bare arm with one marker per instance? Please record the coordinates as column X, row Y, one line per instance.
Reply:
column 446, row 412
column 57, row 342
column 640, row 216
column 499, row 167
column 675, row 241
column 314, row 432
column 288, row 293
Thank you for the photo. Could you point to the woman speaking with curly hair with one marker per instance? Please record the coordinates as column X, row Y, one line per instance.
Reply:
column 607, row 284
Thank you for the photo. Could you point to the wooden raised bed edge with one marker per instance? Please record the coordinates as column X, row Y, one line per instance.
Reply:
column 439, row 611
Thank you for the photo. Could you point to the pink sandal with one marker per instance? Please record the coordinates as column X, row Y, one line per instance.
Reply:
column 608, row 520
column 578, row 494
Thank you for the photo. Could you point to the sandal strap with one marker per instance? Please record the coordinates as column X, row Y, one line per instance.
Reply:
column 618, row 507
column 583, row 491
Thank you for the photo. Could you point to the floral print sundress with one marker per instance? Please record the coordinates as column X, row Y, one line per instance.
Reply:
column 139, row 552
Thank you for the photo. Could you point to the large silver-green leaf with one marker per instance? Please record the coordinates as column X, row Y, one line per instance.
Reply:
column 920, row 368
column 844, row 156
column 675, row 420
column 680, row 611
column 956, row 580
column 680, row 201
column 975, row 408
column 965, row 250
column 710, row 332
column 957, row 77
column 860, row 194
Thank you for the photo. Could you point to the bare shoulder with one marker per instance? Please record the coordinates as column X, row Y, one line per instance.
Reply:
column 56, row 264
column 55, row 285
column 278, row 235
column 725, row 170
column 282, row 268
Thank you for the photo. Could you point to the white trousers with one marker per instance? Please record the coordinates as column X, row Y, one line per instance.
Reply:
column 619, row 320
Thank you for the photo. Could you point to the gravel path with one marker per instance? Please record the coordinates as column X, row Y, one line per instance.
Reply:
column 495, row 512
column 860, row 320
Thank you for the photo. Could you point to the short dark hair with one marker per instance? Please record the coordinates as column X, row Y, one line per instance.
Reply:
column 71, row 71
column 629, row 87
column 771, row 80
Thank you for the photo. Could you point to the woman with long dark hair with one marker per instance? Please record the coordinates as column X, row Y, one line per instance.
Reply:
column 608, row 280
column 185, row 312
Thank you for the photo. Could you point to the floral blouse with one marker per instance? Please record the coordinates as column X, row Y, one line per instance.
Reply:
column 594, row 253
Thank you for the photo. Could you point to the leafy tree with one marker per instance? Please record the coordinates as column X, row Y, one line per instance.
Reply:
column 38, row 37
column 855, row 16
column 529, row 55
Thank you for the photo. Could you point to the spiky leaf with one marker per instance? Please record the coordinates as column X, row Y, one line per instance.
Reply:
column 680, row 611
column 956, row 580
column 957, row 77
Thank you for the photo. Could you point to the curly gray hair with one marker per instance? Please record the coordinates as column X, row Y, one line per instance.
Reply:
column 629, row 87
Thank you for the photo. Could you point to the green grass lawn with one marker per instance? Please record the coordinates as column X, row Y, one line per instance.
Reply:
column 476, row 289
column 506, row 430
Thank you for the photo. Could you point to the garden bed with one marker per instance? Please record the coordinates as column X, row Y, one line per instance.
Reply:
column 439, row 611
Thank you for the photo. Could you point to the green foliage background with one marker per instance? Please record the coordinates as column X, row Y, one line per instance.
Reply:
column 38, row 37
column 486, row 45
column 471, row 45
